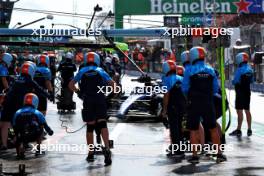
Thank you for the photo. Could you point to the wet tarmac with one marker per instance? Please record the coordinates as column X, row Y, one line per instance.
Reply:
column 139, row 149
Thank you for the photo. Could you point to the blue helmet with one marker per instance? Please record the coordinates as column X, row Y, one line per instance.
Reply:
column 7, row 58
column 31, row 99
column 185, row 57
column 197, row 53
column 28, row 69
column 92, row 57
column 43, row 60
column 242, row 58
column 168, row 66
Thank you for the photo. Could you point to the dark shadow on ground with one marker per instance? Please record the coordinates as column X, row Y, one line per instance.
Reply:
column 11, row 156
column 136, row 119
column 192, row 169
column 249, row 171
column 66, row 112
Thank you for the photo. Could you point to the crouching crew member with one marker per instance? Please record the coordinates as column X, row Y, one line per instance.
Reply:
column 199, row 85
column 174, row 106
column 15, row 96
column 29, row 125
column 242, row 80
column 43, row 78
column 94, row 112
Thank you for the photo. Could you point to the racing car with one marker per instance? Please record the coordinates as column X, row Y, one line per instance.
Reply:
column 143, row 101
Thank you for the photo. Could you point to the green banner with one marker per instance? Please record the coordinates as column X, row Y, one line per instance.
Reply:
column 184, row 7
column 155, row 7
column 33, row 49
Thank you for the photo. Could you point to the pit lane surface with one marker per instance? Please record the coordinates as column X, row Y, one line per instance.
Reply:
column 138, row 150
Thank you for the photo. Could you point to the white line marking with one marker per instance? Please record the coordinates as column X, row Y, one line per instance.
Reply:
column 119, row 128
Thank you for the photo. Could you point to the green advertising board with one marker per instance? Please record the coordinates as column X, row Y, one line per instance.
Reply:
column 155, row 7
column 164, row 7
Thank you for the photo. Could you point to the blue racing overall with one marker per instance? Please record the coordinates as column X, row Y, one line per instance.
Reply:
column 242, row 80
column 41, row 76
column 200, row 85
column 176, row 107
column 28, row 124
column 90, row 79
column 3, row 73
column 15, row 96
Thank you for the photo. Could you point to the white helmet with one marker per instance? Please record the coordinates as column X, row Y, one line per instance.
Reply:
column 116, row 57
column 69, row 55
column 239, row 42
column 108, row 60
column 30, row 57
column 3, row 48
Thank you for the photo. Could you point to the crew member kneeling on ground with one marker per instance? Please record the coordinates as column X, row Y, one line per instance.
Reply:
column 199, row 85
column 174, row 106
column 15, row 96
column 28, row 124
column 94, row 112
column 242, row 80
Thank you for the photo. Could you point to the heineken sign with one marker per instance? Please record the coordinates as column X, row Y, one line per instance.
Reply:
column 184, row 7
column 153, row 7
column 180, row 7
